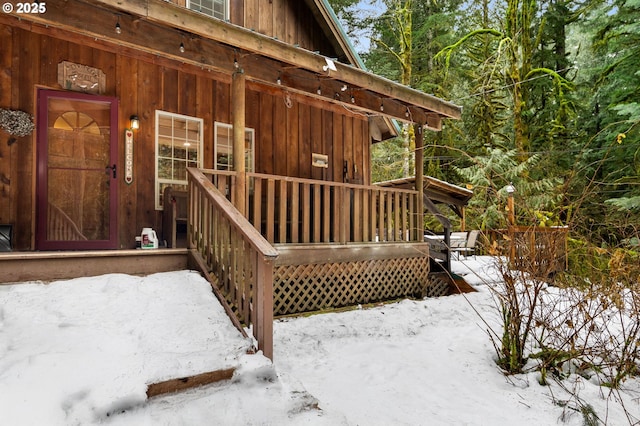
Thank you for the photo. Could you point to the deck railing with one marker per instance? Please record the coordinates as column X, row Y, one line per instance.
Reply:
column 238, row 258
column 295, row 210
column 541, row 251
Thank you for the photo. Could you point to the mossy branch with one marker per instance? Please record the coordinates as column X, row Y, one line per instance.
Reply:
column 448, row 50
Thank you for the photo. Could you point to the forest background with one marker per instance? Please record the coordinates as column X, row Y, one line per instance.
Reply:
column 550, row 91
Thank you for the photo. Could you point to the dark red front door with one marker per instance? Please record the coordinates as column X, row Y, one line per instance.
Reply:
column 77, row 171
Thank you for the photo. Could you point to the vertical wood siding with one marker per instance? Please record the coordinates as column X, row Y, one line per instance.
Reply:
column 286, row 20
column 7, row 158
column 288, row 127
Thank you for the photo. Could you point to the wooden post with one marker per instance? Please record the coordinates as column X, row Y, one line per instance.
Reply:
column 264, row 305
column 238, row 116
column 419, row 182
column 463, row 220
column 512, row 222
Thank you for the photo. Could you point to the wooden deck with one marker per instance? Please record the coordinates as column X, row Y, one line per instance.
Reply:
column 49, row 266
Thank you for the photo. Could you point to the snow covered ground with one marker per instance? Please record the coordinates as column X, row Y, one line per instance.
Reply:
column 81, row 352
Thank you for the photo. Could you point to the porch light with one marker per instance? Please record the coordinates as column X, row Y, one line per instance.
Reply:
column 118, row 28
column 181, row 47
column 134, row 122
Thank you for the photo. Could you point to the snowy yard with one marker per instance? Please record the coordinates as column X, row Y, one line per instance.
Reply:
column 81, row 352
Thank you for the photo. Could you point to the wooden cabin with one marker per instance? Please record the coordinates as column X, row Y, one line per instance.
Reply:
column 258, row 110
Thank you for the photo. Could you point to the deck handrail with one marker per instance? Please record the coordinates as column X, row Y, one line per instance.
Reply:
column 299, row 210
column 237, row 255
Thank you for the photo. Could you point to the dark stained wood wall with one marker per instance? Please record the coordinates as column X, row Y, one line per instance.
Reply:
column 288, row 127
column 287, row 20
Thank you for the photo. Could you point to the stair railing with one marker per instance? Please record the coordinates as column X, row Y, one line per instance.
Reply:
column 239, row 260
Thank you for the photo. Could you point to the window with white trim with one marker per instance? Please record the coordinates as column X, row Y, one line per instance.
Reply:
column 178, row 146
column 214, row 8
column 223, row 147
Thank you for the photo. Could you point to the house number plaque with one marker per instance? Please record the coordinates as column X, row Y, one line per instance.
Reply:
column 128, row 156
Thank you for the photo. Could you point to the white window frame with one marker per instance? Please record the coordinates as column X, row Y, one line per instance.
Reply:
column 160, row 181
column 250, row 138
column 197, row 7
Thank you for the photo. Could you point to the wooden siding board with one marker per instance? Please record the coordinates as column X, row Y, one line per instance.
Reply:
column 236, row 12
column 304, row 141
column 265, row 17
column 127, row 81
column 358, row 150
column 106, row 62
column 292, row 135
column 252, row 114
column 223, row 102
column 280, row 139
column 348, row 146
column 204, row 110
column 290, row 27
column 366, row 153
column 7, row 180
column 278, row 16
column 327, row 143
column 186, row 90
column 27, row 76
column 265, row 135
column 316, row 140
column 48, row 72
column 169, row 89
column 81, row 54
column 251, row 15
column 338, row 154
column 149, row 84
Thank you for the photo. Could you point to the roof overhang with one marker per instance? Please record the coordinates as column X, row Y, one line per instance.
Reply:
column 381, row 127
column 158, row 27
column 436, row 191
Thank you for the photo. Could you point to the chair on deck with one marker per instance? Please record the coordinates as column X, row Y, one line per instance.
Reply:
column 175, row 215
column 458, row 239
column 469, row 246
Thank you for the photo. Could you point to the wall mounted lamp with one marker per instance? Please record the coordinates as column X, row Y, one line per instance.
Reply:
column 134, row 122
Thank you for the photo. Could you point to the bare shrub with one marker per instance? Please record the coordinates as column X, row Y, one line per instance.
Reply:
column 589, row 326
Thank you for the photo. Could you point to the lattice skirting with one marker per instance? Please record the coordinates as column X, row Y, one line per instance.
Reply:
column 313, row 287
